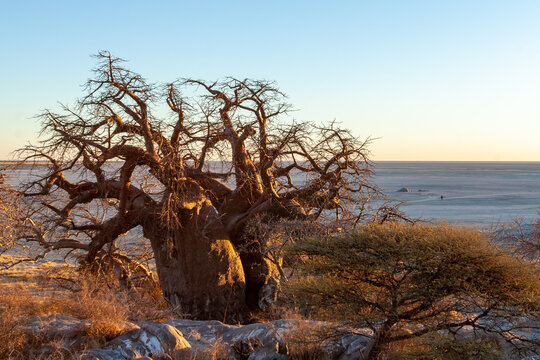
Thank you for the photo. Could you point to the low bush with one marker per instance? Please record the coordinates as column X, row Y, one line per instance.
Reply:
column 406, row 281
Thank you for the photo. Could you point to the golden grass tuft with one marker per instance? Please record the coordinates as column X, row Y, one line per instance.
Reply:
column 306, row 342
column 108, row 309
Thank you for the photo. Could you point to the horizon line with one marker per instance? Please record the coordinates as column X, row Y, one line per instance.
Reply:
column 14, row 161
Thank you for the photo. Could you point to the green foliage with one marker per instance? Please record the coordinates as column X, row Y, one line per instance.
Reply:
column 405, row 281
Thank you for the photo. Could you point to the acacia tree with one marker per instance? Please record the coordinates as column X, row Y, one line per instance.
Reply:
column 221, row 155
column 407, row 281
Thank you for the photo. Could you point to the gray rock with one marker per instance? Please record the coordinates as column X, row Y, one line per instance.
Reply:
column 67, row 333
column 57, row 327
column 151, row 339
column 356, row 346
column 272, row 336
column 245, row 347
column 189, row 339
column 267, row 353
column 135, row 344
column 101, row 354
column 170, row 338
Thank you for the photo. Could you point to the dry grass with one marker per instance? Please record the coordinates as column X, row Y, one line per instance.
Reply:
column 16, row 309
column 68, row 292
column 307, row 341
column 218, row 351
column 447, row 347
column 306, row 349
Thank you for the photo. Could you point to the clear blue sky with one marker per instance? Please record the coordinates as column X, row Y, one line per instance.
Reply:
column 431, row 80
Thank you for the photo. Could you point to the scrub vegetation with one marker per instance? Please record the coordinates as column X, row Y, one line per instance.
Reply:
column 408, row 281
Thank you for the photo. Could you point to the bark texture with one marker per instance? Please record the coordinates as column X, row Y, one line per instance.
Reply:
column 199, row 270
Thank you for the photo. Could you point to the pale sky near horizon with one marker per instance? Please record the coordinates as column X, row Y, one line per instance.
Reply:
column 428, row 80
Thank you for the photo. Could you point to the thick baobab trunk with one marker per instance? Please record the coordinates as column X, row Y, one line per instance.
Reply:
column 262, row 274
column 198, row 268
column 262, row 280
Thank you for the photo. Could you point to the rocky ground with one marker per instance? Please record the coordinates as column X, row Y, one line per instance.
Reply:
column 187, row 339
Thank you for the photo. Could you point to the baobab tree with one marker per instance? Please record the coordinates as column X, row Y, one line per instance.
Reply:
column 220, row 153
